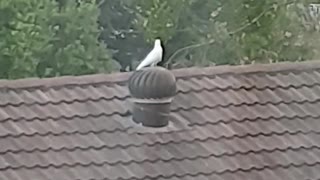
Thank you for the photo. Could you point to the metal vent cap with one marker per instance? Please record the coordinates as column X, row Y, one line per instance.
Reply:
column 152, row 83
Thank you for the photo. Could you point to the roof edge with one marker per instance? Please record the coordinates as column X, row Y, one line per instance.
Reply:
column 179, row 73
column 64, row 81
column 251, row 68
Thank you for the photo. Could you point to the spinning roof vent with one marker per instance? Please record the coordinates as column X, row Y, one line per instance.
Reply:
column 152, row 90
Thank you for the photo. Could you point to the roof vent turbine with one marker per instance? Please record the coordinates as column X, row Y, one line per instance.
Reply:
column 152, row 90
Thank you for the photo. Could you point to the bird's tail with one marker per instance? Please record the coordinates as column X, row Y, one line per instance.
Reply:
column 141, row 65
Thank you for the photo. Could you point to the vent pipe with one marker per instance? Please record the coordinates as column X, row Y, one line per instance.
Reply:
column 152, row 90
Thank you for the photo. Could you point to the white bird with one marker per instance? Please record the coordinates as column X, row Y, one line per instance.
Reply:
column 154, row 56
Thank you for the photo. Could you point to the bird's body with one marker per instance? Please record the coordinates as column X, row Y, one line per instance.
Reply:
column 154, row 56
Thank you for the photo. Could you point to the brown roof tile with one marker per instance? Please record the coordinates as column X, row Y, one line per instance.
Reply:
column 230, row 122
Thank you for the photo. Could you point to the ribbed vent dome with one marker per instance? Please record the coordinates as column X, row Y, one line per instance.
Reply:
column 152, row 83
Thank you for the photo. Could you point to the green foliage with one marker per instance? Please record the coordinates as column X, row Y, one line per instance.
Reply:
column 48, row 38
column 273, row 34
column 41, row 38
column 158, row 18
column 243, row 31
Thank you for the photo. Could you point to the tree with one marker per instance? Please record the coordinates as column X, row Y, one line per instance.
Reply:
column 222, row 31
column 274, row 32
column 47, row 38
column 117, row 19
column 43, row 38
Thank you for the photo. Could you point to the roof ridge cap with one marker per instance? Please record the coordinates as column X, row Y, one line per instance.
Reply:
column 118, row 77
column 251, row 68
column 64, row 81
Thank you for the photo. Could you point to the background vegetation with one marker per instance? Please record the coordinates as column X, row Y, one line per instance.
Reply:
column 48, row 38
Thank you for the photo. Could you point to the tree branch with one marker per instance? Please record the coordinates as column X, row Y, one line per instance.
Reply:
column 258, row 17
column 101, row 3
column 188, row 47
column 231, row 33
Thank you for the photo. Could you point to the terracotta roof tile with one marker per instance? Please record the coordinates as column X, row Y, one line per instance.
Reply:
column 230, row 122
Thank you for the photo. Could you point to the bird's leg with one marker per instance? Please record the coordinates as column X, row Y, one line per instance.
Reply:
column 153, row 64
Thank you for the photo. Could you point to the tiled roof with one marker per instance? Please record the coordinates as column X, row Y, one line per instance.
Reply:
column 256, row 122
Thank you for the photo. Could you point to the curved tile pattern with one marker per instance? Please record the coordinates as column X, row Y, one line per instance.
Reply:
column 244, row 122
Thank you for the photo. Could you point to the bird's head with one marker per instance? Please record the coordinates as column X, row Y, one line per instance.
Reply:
column 157, row 42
